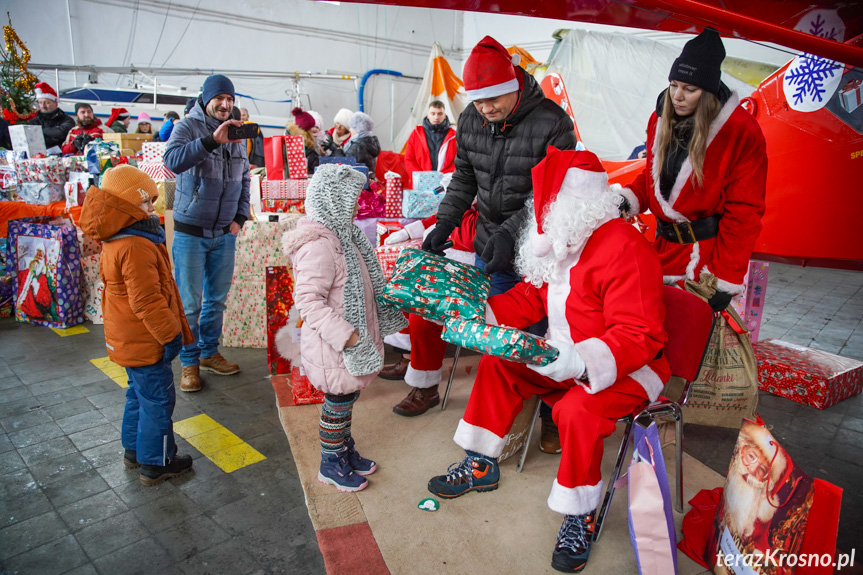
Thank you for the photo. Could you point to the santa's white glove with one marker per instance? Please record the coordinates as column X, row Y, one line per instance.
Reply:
column 568, row 364
column 397, row 237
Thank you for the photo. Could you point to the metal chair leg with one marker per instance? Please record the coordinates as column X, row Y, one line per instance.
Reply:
column 618, row 467
column 526, row 445
column 451, row 375
column 678, row 454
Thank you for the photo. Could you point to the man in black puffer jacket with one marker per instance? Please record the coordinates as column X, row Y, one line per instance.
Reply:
column 55, row 122
column 500, row 139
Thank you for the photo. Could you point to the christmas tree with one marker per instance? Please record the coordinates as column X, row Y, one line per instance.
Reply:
column 16, row 83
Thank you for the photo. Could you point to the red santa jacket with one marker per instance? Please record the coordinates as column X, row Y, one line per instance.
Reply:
column 38, row 305
column 735, row 181
column 96, row 131
column 417, row 158
column 608, row 303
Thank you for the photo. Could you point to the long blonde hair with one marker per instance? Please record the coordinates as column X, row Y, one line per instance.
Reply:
column 706, row 111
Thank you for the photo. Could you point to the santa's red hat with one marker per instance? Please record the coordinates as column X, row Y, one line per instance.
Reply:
column 571, row 173
column 117, row 113
column 490, row 71
column 43, row 90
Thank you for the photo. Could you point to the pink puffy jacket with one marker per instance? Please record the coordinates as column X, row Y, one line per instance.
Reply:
column 319, row 288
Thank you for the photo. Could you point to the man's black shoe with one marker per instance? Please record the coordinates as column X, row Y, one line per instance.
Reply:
column 155, row 474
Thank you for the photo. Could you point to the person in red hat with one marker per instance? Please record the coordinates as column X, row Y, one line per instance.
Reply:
column 302, row 125
column 87, row 128
column 705, row 178
column 55, row 122
column 600, row 284
column 119, row 120
column 499, row 139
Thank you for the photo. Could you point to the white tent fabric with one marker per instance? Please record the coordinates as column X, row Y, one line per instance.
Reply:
column 437, row 76
column 613, row 81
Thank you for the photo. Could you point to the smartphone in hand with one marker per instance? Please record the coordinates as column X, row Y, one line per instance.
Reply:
column 244, row 132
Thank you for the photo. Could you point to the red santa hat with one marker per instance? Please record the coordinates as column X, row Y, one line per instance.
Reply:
column 43, row 90
column 490, row 71
column 572, row 173
column 117, row 113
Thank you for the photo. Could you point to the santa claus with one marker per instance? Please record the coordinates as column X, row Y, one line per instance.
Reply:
column 600, row 284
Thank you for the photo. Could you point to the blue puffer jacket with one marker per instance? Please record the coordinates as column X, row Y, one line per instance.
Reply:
column 212, row 187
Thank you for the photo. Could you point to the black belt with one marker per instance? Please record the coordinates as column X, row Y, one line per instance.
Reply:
column 689, row 232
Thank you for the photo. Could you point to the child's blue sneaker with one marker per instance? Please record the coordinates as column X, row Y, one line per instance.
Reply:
column 360, row 465
column 475, row 473
column 573, row 543
column 336, row 470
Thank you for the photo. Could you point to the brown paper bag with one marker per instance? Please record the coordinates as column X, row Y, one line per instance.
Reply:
column 726, row 390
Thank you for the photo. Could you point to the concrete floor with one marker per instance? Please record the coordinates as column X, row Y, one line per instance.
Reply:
column 67, row 504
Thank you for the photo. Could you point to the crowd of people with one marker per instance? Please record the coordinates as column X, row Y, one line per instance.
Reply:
column 528, row 208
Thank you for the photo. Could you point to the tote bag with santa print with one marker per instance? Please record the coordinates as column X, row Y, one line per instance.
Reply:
column 771, row 514
column 43, row 259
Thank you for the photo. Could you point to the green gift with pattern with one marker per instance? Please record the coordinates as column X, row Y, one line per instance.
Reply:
column 500, row 341
column 436, row 288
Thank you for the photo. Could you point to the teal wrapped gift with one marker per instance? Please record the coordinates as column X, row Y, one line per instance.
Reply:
column 417, row 204
column 504, row 342
column 436, row 288
column 426, row 181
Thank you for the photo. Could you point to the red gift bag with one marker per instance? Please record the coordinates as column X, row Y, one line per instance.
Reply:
column 280, row 298
column 771, row 516
column 274, row 157
column 301, row 388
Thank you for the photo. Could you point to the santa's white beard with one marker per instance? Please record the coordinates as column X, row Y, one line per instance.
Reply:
column 568, row 223
column 748, row 498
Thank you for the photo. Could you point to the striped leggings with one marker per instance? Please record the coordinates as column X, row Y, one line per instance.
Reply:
column 335, row 426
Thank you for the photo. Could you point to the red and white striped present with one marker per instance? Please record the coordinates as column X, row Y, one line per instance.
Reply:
column 295, row 155
column 284, row 189
column 395, row 190
column 156, row 170
column 153, row 151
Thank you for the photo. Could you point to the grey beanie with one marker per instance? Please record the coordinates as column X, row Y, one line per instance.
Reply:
column 361, row 122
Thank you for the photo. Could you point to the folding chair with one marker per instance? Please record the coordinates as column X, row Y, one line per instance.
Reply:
column 689, row 325
column 451, row 375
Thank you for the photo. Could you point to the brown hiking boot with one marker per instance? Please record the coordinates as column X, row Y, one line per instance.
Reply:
column 396, row 371
column 191, row 380
column 418, row 402
column 218, row 364
column 549, row 439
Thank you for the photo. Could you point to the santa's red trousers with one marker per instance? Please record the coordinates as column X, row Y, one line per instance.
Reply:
column 584, row 421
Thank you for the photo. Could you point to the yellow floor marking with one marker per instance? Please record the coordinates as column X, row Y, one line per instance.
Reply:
column 216, row 443
column 70, row 330
column 112, row 370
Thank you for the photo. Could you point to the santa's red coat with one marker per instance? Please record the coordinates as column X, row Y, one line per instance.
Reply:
column 417, row 158
column 735, row 180
column 608, row 303
column 39, row 305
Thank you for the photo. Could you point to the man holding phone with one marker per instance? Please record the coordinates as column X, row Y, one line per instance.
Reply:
column 211, row 204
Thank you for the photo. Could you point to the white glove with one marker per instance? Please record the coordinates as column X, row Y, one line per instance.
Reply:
column 397, row 237
column 568, row 364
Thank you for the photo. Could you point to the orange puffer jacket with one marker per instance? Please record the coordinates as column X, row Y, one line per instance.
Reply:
column 141, row 303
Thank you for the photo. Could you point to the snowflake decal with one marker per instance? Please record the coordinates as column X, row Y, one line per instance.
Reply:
column 817, row 27
column 808, row 76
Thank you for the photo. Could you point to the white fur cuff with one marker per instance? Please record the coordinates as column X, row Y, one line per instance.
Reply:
column 574, row 500
column 601, row 366
column 423, row 379
column 490, row 319
column 648, row 379
column 634, row 206
column 399, row 340
column 415, row 230
column 728, row 287
column 478, row 439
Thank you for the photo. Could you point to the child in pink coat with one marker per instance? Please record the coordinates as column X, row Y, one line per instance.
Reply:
column 337, row 279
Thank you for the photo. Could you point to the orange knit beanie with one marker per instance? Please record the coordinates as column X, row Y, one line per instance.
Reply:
column 130, row 184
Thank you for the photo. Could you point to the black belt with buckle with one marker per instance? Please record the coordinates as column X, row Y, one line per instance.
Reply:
column 689, row 232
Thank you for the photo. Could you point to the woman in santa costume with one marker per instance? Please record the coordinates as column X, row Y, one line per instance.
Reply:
column 705, row 175
column 599, row 282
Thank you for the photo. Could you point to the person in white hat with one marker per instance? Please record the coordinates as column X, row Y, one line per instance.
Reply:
column 600, row 284
column 55, row 122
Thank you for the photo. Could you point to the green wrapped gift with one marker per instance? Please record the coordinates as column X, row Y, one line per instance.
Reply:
column 500, row 341
column 436, row 288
